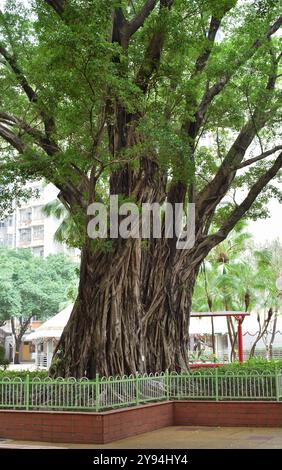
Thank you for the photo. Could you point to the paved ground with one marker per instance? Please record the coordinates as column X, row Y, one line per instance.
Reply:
column 180, row 437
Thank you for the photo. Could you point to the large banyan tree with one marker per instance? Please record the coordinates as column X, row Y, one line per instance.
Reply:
column 170, row 101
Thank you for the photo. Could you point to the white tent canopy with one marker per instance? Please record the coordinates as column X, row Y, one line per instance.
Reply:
column 53, row 327
column 202, row 324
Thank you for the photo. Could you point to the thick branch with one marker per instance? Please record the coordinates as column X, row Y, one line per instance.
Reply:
column 212, row 240
column 153, row 53
column 178, row 190
column 11, row 60
column 28, row 90
column 57, row 5
column 11, row 138
column 13, row 121
column 73, row 193
column 203, row 58
column 40, row 139
column 207, row 243
column 140, row 17
column 213, row 91
column 216, row 189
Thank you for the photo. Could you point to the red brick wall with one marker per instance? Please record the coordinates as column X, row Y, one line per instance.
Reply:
column 131, row 421
column 202, row 413
column 98, row 428
column 52, row 426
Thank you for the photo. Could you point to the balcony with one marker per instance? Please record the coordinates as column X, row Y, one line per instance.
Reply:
column 41, row 360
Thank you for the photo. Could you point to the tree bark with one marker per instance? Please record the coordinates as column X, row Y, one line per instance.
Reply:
column 17, row 352
column 272, row 339
column 103, row 334
column 112, row 331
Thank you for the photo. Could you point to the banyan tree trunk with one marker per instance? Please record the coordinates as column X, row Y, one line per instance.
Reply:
column 166, row 335
column 126, row 320
column 103, row 332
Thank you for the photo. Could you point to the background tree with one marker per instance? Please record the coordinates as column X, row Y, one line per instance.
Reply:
column 239, row 276
column 32, row 287
column 153, row 100
column 268, row 302
column 228, row 279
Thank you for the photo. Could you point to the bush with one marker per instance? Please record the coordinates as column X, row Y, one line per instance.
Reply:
column 2, row 353
column 23, row 373
column 3, row 362
column 255, row 364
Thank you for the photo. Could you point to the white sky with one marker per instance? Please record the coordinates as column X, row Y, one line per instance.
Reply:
column 268, row 229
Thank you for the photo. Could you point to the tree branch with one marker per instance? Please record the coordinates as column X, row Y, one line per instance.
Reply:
column 213, row 91
column 216, row 189
column 263, row 155
column 28, row 90
column 11, row 138
column 153, row 53
column 212, row 240
column 203, row 58
column 11, row 60
column 140, row 17
column 57, row 5
column 10, row 120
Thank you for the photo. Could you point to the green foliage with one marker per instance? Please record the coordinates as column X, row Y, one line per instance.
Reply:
column 3, row 362
column 238, row 276
column 77, row 73
column 12, row 374
column 2, row 353
column 34, row 286
column 255, row 364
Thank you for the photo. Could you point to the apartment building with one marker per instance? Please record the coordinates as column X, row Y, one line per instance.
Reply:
column 28, row 227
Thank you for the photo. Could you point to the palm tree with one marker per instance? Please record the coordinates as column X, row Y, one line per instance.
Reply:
column 66, row 231
column 220, row 283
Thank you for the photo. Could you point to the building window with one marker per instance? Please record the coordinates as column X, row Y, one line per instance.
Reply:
column 25, row 235
column 10, row 220
column 37, row 213
column 25, row 215
column 10, row 240
column 38, row 251
column 3, row 223
column 38, row 232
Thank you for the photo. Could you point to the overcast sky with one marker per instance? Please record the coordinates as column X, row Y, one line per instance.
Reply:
column 268, row 229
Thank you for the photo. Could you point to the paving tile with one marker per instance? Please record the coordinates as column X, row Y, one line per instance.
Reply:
column 179, row 437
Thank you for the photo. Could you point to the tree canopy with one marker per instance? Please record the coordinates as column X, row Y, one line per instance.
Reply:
column 180, row 71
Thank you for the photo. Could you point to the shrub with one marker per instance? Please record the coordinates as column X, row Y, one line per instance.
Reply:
column 3, row 362
column 255, row 364
column 23, row 373
column 2, row 353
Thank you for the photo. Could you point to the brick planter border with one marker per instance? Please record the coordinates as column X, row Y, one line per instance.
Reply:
column 108, row 426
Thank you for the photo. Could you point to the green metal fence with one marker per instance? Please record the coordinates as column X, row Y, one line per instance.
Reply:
column 113, row 392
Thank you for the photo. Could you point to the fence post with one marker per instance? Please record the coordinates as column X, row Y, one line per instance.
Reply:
column 167, row 385
column 137, row 389
column 216, row 385
column 277, row 384
column 27, row 392
column 97, row 392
